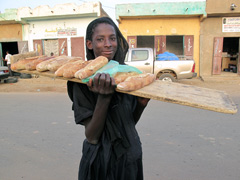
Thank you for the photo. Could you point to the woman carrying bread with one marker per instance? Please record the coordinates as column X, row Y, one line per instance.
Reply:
column 112, row 148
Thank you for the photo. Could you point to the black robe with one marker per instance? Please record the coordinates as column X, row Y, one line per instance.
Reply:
column 118, row 153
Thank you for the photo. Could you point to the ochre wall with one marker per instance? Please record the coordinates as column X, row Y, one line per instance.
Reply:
column 11, row 32
column 164, row 26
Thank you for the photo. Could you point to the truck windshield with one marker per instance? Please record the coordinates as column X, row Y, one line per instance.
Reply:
column 139, row 55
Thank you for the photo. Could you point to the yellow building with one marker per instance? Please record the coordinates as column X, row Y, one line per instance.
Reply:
column 166, row 26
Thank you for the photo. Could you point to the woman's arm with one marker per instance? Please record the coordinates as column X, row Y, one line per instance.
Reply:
column 141, row 104
column 104, row 86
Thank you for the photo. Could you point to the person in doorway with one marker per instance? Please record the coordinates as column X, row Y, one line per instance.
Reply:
column 112, row 148
column 8, row 59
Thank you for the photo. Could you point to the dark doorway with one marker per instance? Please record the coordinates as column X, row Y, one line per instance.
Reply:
column 11, row 47
column 231, row 45
column 145, row 41
column 230, row 54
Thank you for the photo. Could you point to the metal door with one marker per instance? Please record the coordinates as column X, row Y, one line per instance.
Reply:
column 63, row 49
column 188, row 46
column 132, row 41
column 22, row 47
column 217, row 55
column 38, row 47
column 77, row 47
column 160, row 44
column 51, row 46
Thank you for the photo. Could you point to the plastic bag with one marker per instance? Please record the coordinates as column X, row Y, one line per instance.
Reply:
column 111, row 68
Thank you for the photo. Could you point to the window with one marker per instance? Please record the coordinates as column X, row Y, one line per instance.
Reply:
column 139, row 55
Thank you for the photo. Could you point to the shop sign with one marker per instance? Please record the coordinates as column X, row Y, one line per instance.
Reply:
column 67, row 32
column 60, row 32
column 231, row 24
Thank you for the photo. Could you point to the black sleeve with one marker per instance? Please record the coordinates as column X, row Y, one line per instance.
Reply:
column 83, row 101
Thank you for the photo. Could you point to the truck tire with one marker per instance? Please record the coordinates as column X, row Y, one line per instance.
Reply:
column 25, row 76
column 11, row 80
column 167, row 77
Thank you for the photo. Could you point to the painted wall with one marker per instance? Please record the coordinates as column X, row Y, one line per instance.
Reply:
column 160, row 9
column 61, row 10
column 10, row 32
column 164, row 26
column 222, row 6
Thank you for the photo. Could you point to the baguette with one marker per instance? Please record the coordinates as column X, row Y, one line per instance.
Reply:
column 66, row 66
column 32, row 65
column 43, row 65
column 121, row 76
column 36, row 57
column 69, row 72
column 91, row 68
column 20, row 65
column 133, row 83
column 54, row 65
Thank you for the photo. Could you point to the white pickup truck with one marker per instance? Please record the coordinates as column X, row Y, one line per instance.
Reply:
column 167, row 70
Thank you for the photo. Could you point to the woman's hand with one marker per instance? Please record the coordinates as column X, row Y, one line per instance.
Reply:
column 102, row 84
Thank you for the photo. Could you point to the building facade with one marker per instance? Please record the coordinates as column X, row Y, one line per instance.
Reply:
column 11, row 36
column 166, row 26
column 220, row 39
column 59, row 30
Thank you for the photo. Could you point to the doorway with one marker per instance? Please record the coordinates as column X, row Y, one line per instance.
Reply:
column 226, row 57
column 145, row 41
column 11, row 47
column 230, row 54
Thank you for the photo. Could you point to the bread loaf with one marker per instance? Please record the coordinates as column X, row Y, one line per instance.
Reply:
column 121, row 76
column 70, row 71
column 91, row 68
column 66, row 66
column 20, row 65
column 133, row 83
column 32, row 65
column 43, row 65
column 54, row 65
column 36, row 57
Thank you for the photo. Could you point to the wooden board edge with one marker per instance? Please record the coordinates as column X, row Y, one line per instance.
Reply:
column 142, row 94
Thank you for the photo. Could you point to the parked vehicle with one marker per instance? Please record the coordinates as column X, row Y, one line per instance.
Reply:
column 4, row 76
column 165, row 70
column 3, row 72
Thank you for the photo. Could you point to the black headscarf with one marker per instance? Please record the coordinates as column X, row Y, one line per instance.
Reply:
column 122, row 47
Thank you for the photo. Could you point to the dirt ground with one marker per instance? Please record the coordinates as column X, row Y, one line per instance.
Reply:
column 35, row 84
column 46, row 84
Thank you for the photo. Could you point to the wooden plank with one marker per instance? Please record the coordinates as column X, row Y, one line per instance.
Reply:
column 172, row 92
column 217, row 55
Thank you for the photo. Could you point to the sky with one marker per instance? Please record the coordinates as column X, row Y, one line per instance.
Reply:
column 108, row 5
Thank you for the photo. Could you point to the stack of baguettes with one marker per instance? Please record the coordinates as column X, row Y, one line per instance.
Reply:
column 75, row 67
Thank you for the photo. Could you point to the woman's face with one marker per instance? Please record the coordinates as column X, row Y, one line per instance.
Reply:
column 104, row 41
